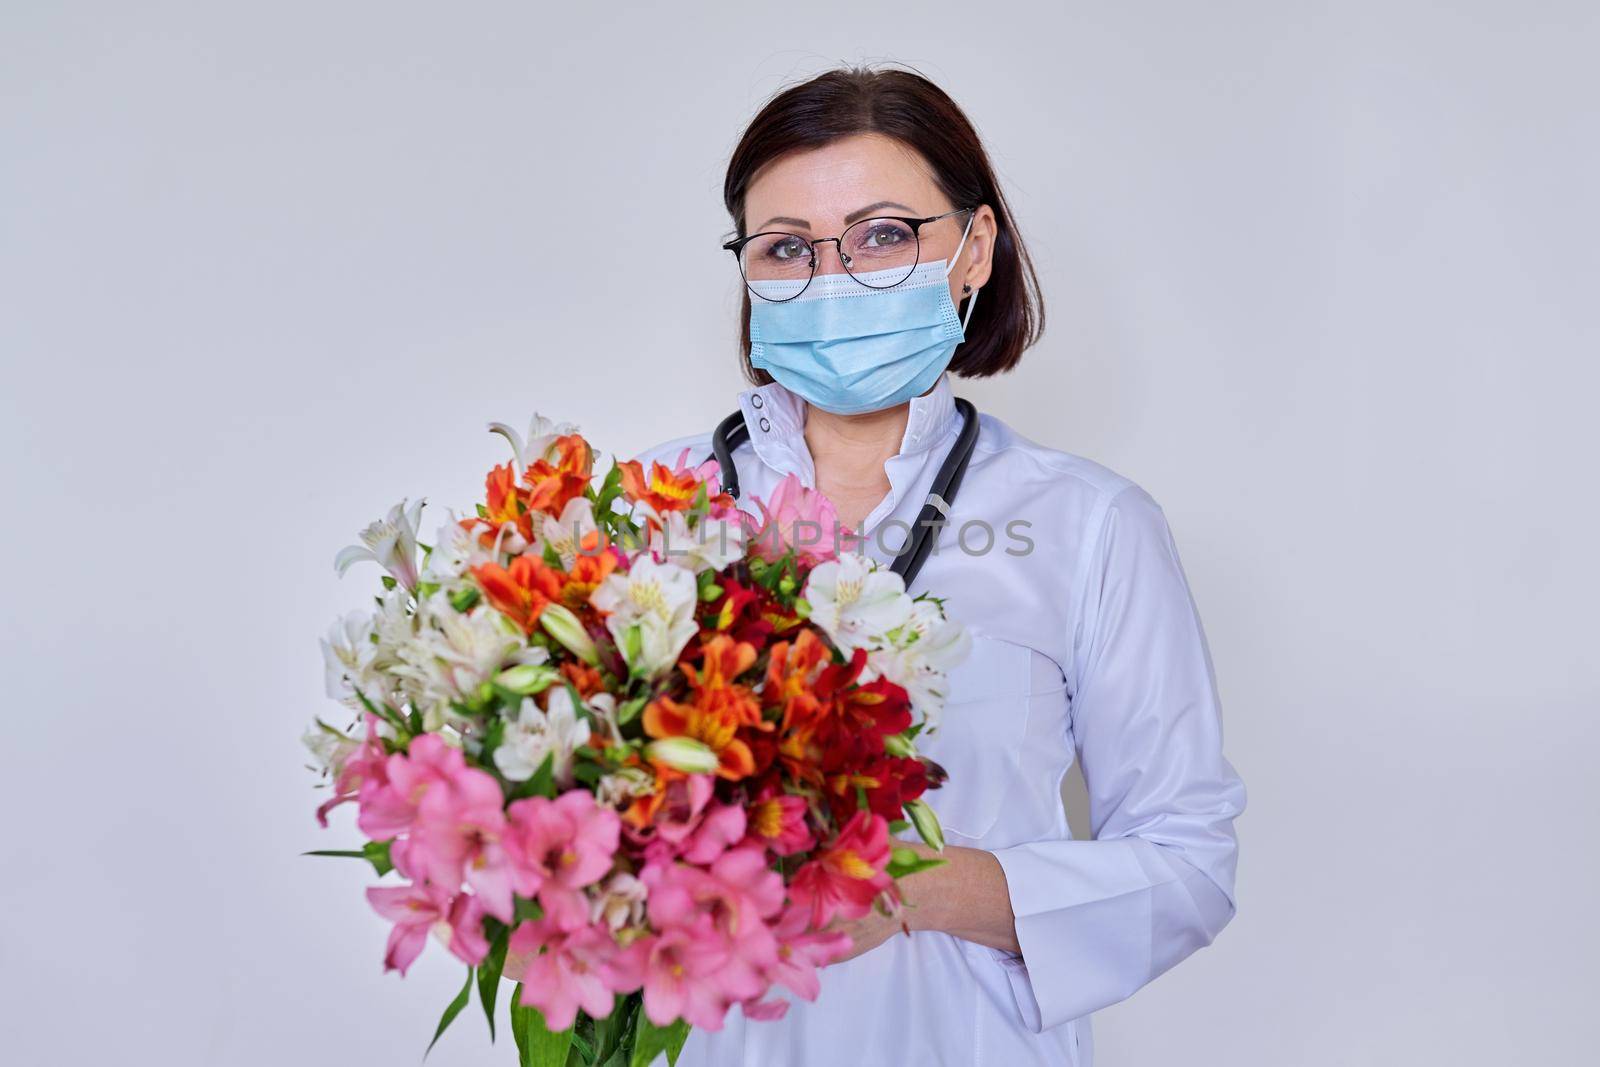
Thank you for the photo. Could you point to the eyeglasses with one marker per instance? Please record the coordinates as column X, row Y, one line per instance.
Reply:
column 879, row 253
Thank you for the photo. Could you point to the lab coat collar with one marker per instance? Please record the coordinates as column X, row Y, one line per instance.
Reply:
column 777, row 419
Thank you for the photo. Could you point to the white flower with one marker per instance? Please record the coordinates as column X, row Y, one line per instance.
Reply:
column 453, row 653
column 711, row 545
column 919, row 656
column 455, row 552
column 541, row 437
column 537, row 733
column 328, row 747
column 650, row 612
column 566, row 534
column 391, row 542
column 855, row 601
column 620, row 902
column 350, row 659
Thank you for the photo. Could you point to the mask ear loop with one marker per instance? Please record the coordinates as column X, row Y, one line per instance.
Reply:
column 950, row 266
column 972, row 301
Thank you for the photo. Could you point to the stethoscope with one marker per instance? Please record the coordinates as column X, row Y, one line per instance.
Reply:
column 733, row 431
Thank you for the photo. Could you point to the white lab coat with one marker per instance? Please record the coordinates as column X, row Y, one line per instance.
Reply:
column 1087, row 646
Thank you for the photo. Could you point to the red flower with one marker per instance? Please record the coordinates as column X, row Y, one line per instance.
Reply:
column 848, row 875
column 889, row 782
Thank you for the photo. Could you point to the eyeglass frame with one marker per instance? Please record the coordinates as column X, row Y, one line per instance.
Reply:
column 736, row 246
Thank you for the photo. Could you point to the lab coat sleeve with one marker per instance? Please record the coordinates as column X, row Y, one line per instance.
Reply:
column 1098, row 919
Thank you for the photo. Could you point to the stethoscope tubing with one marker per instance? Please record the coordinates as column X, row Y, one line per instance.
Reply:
column 733, row 431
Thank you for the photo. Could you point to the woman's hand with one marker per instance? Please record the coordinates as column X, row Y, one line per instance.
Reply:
column 866, row 933
column 964, row 897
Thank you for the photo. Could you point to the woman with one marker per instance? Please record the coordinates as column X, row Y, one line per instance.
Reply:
column 867, row 216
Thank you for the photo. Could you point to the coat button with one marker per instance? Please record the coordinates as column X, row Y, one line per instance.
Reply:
column 765, row 425
column 756, row 401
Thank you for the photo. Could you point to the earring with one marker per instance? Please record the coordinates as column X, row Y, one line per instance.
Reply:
column 966, row 288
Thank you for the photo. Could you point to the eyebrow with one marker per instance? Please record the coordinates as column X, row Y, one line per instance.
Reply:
column 854, row 216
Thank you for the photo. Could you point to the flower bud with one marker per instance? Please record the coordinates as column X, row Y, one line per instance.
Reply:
column 682, row 754
column 527, row 679
column 899, row 745
column 927, row 824
column 563, row 625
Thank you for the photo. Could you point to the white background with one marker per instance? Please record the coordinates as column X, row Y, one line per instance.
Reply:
column 1322, row 278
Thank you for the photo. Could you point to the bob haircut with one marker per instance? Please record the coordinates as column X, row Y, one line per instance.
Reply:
column 910, row 108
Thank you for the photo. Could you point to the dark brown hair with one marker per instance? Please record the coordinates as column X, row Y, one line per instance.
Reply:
column 910, row 108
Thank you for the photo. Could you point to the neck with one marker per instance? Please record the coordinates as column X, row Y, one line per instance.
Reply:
column 849, row 451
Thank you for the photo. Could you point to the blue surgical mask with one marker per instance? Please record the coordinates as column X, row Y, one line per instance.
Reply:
column 848, row 348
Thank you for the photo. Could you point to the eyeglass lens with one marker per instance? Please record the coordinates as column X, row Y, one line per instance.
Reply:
column 886, row 250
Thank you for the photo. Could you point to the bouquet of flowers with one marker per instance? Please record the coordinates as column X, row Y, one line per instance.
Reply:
column 631, row 745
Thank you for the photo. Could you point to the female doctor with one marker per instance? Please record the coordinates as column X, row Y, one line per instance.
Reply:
column 869, row 224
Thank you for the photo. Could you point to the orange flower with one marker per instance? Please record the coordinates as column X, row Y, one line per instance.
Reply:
column 800, row 749
column 666, row 489
column 521, row 592
column 713, row 727
column 552, row 485
column 589, row 569
column 724, row 659
column 792, row 669
column 504, row 503
column 584, row 678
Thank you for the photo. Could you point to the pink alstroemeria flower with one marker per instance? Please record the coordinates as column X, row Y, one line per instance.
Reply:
column 738, row 891
column 778, row 822
column 457, row 836
column 801, row 951
column 366, row 764
column 679, row 969
column 726, row 905
column 556, row 847
column 764, row 1011
column 799, row 518
column 720, row 829
column 849, row 873
column 572, row 969
column 683, row 804
column 389, row 806
column 416, row 910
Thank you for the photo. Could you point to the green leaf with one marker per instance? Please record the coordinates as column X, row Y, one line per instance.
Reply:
column 489, row 972
column 389, row 715
column 374, row 852
column 536, row 1045
column 631, row 708
column 903, row 862
column 452, row 1011
column 651, row 1041
column 543, row 782
column 464, row 599
column 377, row 854
column 389, row 582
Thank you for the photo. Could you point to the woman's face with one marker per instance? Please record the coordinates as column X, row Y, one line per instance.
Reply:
column 819, row 193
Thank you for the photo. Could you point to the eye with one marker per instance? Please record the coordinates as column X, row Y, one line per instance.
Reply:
column 784, row 248
column 879, row 237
